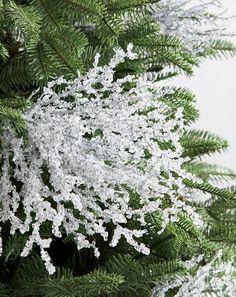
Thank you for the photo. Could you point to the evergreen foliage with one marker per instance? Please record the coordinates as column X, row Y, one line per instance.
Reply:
column 210, row 172
column 199, row 143
column 44, row 39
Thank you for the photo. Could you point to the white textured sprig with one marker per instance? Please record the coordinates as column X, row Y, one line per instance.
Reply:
column 195, row 22
column 215, row 279
column 93, row 146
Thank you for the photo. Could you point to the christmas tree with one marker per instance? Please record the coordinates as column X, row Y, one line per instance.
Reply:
column 103, row 191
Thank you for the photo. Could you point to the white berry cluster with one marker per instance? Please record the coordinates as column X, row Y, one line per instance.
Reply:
column 95, row 155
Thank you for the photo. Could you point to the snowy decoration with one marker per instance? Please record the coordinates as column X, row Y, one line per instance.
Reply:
column 215, row 279
column 94, row 156
column 196, row 22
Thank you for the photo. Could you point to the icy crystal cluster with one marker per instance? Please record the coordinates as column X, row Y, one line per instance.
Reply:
column 195, row 22
column 94, row 156
column 214, row 279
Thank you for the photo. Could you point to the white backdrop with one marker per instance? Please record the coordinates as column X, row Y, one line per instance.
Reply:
column 214, row 84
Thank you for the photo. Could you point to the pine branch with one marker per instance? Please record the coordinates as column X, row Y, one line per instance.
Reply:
column 222, row 232
column 180, row 97
column 96, row 283
column 14, row 74
column 13, row 247
column 140, row 276
column 116, row 5
column 197, row 143
column 4, row 55
column 178, row 239
column 25, row 19
column 205, row 187
column 13, row 118
column 17, row 103
column 219, row 48
column 221, row 209
column 31, row 279
column 210, row 172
